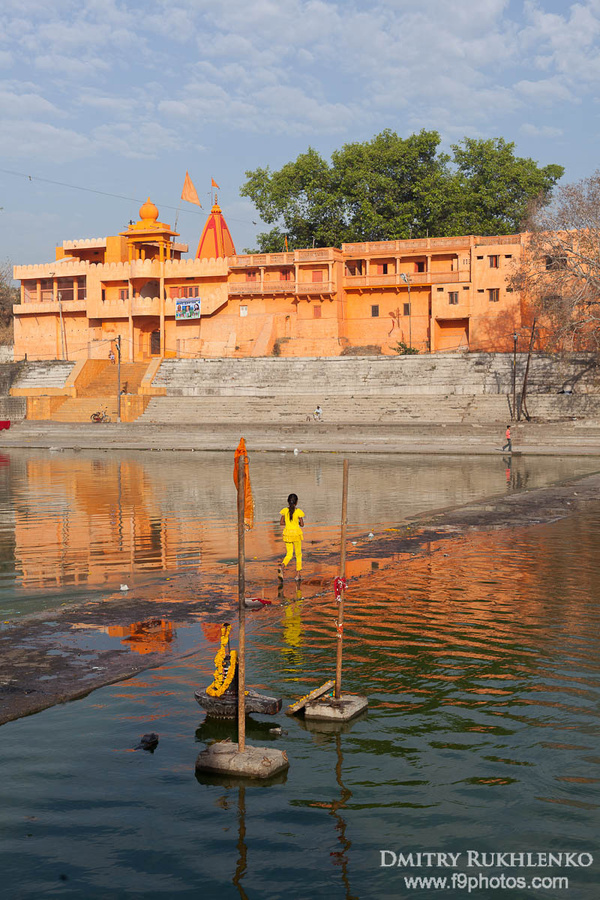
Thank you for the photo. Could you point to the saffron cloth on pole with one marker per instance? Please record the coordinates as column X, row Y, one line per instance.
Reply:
column 248, row 500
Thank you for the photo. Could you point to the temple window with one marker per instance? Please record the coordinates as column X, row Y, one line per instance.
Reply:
column 317, row 275
column 406, row 309
column 123, row 294
column 286, row 275
column 316, row 312
column 453, row 298
column 243, row 311
column 375, row 311
column 251, row 276
column 494, row 261
column 180, row 291
column 493, row 295
column 419, row 266
column 47, row 289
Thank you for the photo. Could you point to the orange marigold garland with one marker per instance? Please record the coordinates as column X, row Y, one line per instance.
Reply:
column 222, row 681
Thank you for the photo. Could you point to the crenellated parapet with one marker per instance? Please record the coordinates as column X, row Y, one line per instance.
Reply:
column 57, row 269
column 186, row 268
column 85, row 244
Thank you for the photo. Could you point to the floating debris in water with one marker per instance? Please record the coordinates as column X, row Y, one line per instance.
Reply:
column 148, row 742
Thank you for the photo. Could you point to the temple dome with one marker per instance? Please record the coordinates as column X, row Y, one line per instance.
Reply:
column 148, row 211
column 215, row 241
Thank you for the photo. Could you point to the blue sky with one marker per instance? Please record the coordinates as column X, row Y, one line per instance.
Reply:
column 123, row 97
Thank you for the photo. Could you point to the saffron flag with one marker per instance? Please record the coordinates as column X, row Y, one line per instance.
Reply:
column 213, row 183
column 286, row 243
column 189, row 191
column 248, row 501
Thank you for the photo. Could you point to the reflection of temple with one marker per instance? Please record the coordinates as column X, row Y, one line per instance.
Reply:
column 150, row 636
column 154, row 636
column 85, row 521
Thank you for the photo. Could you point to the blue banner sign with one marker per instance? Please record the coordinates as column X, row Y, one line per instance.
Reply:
column 188, row 309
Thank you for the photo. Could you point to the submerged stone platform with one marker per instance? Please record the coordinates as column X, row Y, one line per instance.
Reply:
column 224, row 758
column 334, row 709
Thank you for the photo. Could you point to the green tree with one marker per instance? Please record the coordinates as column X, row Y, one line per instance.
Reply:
column 392, row 187
column 496, row 188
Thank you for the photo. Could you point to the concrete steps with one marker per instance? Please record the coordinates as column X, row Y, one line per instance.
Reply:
column 41, row 375
column 79, row 409
column 436, row 374
column 105, row 383
column 336, row 409
column 13, row 408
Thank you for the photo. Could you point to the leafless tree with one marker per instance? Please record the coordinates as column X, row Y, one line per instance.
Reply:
column 558, row 274
column 9, row 295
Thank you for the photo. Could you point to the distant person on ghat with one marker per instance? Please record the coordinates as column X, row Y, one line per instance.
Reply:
column 508, row 444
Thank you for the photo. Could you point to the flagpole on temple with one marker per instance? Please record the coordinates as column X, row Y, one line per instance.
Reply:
column 241, row 505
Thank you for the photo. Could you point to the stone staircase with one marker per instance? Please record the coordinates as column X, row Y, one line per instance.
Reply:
column 80, row 409
column 441, row 388
column 100, row 391
column 337, row 409
column 360, row 391
column 40, row 376
column 105, row 382
column 12, row 408
column 373, row 375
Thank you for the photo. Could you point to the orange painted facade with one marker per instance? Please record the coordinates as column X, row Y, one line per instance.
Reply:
column 432, row 294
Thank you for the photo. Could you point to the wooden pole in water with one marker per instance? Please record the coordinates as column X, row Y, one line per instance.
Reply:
column 241, row 605
column 340, row 616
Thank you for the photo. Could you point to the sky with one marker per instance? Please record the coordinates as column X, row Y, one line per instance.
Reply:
column 104, row 103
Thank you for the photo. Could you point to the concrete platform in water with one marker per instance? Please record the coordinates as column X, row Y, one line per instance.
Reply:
column 224, row 758
column 336, row 710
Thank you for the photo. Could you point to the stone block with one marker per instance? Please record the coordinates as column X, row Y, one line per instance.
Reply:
column 336, row 710
column 224, row 758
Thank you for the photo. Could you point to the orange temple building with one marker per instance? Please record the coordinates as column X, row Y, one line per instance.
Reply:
column 431, row 294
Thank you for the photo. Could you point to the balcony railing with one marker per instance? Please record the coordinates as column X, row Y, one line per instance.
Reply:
column 32, row 306
column 280, row 287
column 249, row 260
column 314, row 287
column 246, row 287
column 415, row 278
column 367, row 248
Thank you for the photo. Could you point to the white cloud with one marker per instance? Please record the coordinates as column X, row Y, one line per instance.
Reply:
column 71, row 66
column 40, row 140
column 546, row 91
column 16, row 105
column 546, row 131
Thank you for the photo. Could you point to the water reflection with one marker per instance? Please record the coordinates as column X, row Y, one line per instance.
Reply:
column 150, row 636
column 480, row 659
column 80, row 523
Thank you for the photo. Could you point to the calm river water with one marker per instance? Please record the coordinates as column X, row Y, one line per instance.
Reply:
column 480, row 659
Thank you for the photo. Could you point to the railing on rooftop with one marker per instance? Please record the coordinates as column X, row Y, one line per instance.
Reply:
column 279, row 287
column 396, row 280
